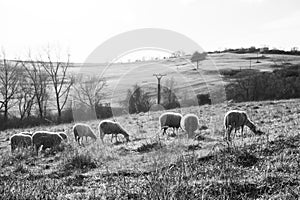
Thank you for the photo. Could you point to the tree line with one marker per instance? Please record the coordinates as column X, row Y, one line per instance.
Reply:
column 251, row 85
column 31, row 89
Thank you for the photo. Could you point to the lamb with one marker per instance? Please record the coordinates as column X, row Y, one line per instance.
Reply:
column 170, row 120
column 22, row 139
column 190, row 124
column 83, row 130
column 110, row 127
column 45, row 139
column 236, row 119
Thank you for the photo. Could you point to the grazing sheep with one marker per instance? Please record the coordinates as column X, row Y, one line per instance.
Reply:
column 114, row 128
column 190, row 124
column 45, row 139
column 170, row 120
column 63, row 135
column 22, row 139
column 83, row 130
column 27, row 133
column 236, row 119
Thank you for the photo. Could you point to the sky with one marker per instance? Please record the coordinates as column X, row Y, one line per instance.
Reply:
column 78, row 27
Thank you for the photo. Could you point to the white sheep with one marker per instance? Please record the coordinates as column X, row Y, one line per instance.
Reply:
column 20, row 140
column 190, row 123
column 45, row 139
column 170, row 120
column 114, row 128
column 236, row 119
column 83, row 130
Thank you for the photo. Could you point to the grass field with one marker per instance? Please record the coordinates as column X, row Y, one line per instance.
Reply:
column 189, row 82
column 152, row 166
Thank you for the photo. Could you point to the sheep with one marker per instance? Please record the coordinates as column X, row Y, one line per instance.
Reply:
column 170, row 120
column 110, row 127
column 236, row 119
column 45, row 139
column 63, row 135
column 22, row 139
column 190, row 124
column 83, row 130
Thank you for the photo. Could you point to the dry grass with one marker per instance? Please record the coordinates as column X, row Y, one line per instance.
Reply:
column 153, row 167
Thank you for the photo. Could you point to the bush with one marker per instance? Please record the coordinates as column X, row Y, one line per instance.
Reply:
column 229, row 72
column 203, row 99
column 281, row 84
column 103, row 111
column 237, row 73
column 79, row 160
column 16, row 122
column 137, row 100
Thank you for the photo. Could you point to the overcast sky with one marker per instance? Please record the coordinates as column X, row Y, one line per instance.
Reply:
column 81, row 26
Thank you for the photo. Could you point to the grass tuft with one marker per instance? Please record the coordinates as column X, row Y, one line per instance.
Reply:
column 80, row 160
column 146, row 147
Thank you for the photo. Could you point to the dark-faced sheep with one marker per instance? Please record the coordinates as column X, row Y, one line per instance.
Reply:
column 83, row 130
column 20, row 140
column 63, row 135
column 190, row 124
column 236, row 119
column 114, row 128
column 45, row 139
column 170, row 120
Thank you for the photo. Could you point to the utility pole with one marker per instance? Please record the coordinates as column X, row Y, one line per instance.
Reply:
column 158, row 76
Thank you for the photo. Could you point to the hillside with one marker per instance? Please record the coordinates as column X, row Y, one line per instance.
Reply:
column 152, row 166
column 122, row 76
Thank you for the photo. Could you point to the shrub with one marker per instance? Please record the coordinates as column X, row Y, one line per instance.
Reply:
column 79, row 160
column 281, row 84
column 203, row 99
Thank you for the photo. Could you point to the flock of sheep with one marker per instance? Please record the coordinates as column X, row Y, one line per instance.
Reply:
column 233, row 120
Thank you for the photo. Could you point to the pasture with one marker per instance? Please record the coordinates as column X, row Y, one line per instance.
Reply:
column 188, row 81
column 152, row 166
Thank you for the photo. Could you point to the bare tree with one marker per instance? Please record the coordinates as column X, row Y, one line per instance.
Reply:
column 9, row 80
column 60, row 80
column 88, row 90
column 38, row 79
column 25, row 96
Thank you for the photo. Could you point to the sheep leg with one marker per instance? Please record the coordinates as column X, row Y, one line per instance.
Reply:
column 235, row 129
column 165, row 130
column 242, row 131
column 37, row 149
column 82, row 141
column 229, row 132
column 77, row 140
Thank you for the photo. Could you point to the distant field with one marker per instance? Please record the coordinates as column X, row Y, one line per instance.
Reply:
column 190, row 82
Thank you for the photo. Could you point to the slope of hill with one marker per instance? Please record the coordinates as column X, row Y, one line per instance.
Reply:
column 152, row 166
column 122, row 76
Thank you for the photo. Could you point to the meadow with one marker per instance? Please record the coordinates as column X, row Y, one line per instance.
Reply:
column 153, row 166
column 188, row 82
